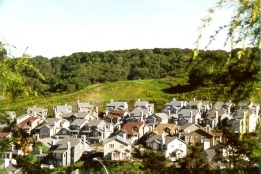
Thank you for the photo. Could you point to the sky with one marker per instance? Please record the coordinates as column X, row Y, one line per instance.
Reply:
column 55, row 28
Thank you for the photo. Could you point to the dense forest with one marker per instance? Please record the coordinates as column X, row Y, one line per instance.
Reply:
column 75, row 72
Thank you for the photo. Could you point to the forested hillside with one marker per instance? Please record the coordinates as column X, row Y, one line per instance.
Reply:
column 75, row 72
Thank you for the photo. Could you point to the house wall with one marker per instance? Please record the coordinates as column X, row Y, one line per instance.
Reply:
column 45, row 132
column 176, row 144
column 108, row 149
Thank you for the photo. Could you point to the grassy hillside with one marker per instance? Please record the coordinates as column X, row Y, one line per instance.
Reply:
column 98, row 94
column 157, row 91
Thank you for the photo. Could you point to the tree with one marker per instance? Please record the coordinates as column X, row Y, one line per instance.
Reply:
column 195, row 160
column 154, row 162
column 29, row 164
column 11, row 71
column 243, row 31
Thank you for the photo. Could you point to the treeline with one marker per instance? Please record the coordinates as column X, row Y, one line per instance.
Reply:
column 74, row 72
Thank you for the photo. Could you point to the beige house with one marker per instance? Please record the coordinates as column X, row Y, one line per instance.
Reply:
column 117, row 148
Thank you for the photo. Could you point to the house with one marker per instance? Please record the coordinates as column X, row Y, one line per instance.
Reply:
column 27, row 123
column 63, row 133
column 138, row 115
column 174, row 106
column 143, row 105
column 166, row 129
column 97, row 130
column 61, row 109
column 116, row 106
column 213, row 157
column 214, row 118
column 69, row 150
column 77, row 125
column 80, row 115
column 171, row 147
column 156, row 118
column 238, row 122
column 194, row 104
column 84, row 107
column 133, row 131
column 224, row 106
column 206, row 106
column 116, row 117
column 194, row 134
column 188, row 116
column 48, row 128
column 116, row 148
column 39, row 112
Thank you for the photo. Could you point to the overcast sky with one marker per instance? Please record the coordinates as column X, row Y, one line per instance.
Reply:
column 61, row 27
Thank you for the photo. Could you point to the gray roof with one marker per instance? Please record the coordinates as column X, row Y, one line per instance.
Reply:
column 159, row 139
column 79, row 122
column 23, row 116
column 186, row 112
column 141, row 103
column 63, row 108
column 95, row 122
column 239, row 114
column 117, row 104
column 220, row 104
column 50, row 121
column 117, row 138
column 36, row 109
column 137, row 111
column 212, row 113
column 84, row 104
column 78, row 115
column 63, row 144
column 185, row 126
column 161, row 115
column 175, row 103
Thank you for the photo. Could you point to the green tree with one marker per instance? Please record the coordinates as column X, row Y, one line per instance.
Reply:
column 12, row 78
column 243, row 31
column 154, row 162
column 195, row 160
column 29, row 164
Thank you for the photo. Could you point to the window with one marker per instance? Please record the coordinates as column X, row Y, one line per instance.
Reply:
column 124, row 155
column 111, row 145
column 115, row 155
column 121, row 146
column 172, row 146
column 180, row 145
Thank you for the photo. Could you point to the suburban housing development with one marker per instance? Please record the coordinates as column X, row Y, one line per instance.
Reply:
column 68, row 135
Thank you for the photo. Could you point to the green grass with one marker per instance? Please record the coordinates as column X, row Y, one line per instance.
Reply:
column 129, row 91
column 98, row 94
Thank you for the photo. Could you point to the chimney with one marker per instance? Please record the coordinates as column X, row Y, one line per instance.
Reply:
column 65, row 104
column 84, row 142
column 78, row 101
column 216, row 118
column 169, row 112
column 191, row 117
column 68, row 145
column 53, row 142
column 208, row 128
column 206, row 144
column 6, row 162
column 124, row 136
column 138, row 99
column 111, row 100
column 174, row 99
column 194, row 99
column 97, row 109
column 141, row 115
column 162, row 139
